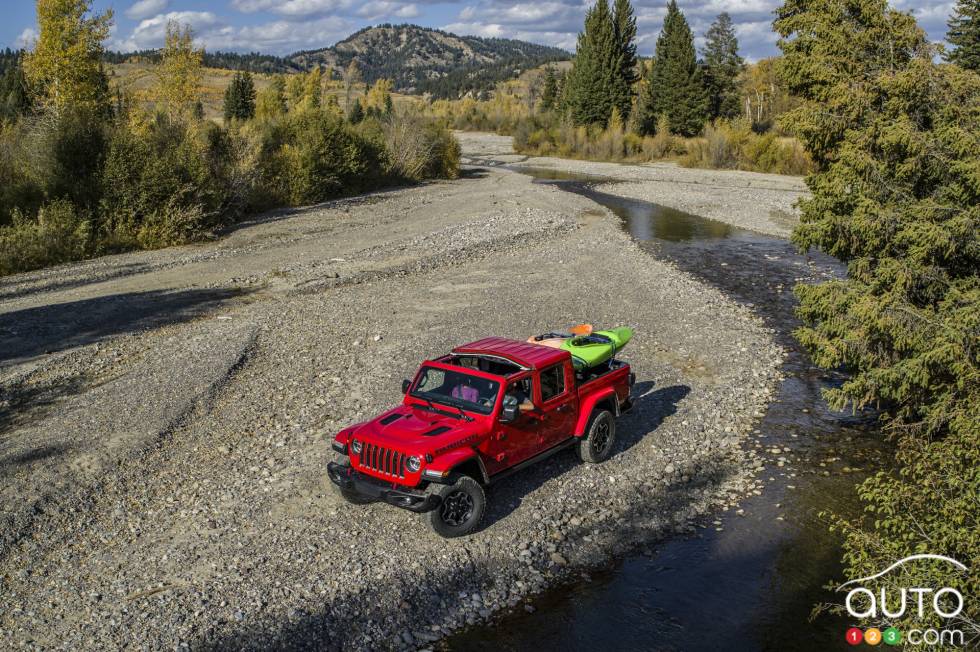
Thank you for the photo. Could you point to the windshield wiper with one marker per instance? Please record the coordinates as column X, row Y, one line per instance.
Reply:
column 432, row 406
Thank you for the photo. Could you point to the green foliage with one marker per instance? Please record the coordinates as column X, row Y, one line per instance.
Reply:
column 239, row 103
column 964, row 34
column 604, row 70
column 589, row 98
column 624, row 43
column 735, row 146
column 897, row 197
column 56, row 234
column 356, row 112
column 418, row 150
column 722, row 68
column 549, row 94
column 675, row 87
column 15, row 99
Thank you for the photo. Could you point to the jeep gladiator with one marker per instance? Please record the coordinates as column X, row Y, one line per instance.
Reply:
column 472, row 417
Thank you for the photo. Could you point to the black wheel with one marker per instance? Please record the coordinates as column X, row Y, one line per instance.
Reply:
column 461, row 509
column 600, row 436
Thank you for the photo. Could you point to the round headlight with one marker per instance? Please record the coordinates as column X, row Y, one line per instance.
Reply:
column 413, row 464
column 355, row 446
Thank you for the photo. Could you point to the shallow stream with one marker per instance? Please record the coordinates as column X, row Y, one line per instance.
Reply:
column 744, row 581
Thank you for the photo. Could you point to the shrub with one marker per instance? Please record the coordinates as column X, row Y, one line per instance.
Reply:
column 419, row 151
column 56, row 235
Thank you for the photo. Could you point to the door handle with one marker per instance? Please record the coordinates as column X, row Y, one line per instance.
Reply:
column 561, row 408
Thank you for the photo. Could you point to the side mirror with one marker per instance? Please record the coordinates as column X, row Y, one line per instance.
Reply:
column 406, row 384
column 510, row 410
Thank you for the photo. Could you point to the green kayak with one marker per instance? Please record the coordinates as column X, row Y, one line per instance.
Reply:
column 598, row 347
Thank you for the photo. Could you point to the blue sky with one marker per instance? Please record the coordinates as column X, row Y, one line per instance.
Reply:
column 284, row 26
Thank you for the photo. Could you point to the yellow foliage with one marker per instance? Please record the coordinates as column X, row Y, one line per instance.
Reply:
column 65, row 64
column 179, row 85
column 379, row 96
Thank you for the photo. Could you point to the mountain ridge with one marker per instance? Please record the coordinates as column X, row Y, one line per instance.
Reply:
column 427, row 60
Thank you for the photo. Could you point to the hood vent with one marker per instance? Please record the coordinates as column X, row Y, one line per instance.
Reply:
column 437, row 431
column 391, row 418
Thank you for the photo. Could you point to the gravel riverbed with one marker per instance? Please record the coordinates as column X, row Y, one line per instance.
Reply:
column 165, row 420
column 751, row 200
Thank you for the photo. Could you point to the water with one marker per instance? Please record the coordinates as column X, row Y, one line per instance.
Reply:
column 754, row 584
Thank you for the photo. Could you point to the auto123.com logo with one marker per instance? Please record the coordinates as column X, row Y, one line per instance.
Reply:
column 866, row 601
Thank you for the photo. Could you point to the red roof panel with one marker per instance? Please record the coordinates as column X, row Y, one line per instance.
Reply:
column 526, row 354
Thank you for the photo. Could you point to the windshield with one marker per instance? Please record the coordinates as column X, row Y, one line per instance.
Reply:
column 456, row 388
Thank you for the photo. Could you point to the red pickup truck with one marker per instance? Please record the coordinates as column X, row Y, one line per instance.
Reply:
column 472, row 417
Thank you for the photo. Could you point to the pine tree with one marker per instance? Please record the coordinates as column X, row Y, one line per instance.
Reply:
column 240, row 97
column 895, row 197
column 549, row 94
column 64, row 67
column 624, row 30
column 356, row 114
column 14, row 97
column 675, row 85
column 964, row 34
column 722, row 67
column 590, row 82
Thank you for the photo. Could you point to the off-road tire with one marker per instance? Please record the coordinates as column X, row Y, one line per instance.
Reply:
column 597, row 444
column 461, row 510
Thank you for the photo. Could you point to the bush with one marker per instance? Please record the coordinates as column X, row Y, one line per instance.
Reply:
column 734, row 146
column 57, row 234
column 419, row 150
column 154, row 180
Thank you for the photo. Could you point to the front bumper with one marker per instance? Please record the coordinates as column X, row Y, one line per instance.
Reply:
column 351, row 480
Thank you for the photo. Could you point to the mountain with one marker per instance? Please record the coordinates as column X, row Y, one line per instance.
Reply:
column 422, row 60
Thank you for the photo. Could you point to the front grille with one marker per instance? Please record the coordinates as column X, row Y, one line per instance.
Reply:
column 383, row 460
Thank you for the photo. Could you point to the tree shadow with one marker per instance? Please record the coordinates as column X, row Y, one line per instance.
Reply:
column 31, row 284
column 650, row 408
column 31, row 332
column 9, row 463
column 22, row 403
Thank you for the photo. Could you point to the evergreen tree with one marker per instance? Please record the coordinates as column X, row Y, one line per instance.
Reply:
column 675, row 85
column 896, row 197
column 590, row 82
column 549, row 94
column 722, row 67
column 14, row 98
column 964, row 34
column 356, row 114
column 624, row 28
column 240, row 97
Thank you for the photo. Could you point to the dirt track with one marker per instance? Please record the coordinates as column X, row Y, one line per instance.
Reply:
column 166, row 416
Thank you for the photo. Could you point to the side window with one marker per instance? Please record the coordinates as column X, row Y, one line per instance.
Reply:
column 552, row 382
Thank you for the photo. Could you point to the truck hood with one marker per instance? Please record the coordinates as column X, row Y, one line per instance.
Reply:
column 408, row 427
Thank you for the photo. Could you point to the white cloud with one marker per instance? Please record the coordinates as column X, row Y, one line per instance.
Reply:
column 293, row 7
column 26, row 38
column 215, row 33
column 145, row 8
column 384, row 8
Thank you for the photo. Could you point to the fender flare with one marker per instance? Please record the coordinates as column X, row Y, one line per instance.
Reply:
column 454, row 459
column 589, row 404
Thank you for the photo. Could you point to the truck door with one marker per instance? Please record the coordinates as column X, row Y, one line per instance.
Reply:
column 514, row 442
column 557, row 403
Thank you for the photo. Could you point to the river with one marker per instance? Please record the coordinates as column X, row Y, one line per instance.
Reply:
column 749, row 579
